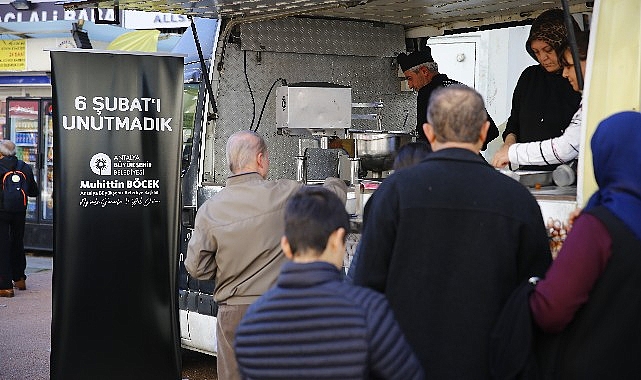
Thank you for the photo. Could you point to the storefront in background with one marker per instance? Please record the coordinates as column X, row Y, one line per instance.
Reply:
column 25, row 76
column 28, row 35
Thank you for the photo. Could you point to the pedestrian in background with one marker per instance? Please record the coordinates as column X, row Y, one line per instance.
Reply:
column 236, row 238
column 15, row 176
column 312, row 325
column 444, row 248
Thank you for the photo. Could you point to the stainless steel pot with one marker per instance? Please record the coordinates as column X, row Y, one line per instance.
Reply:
column 377, row 149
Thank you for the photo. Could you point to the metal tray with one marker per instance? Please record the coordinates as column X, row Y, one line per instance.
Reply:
column 532, row 178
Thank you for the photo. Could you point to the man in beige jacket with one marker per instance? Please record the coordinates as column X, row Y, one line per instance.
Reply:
column 236, row 238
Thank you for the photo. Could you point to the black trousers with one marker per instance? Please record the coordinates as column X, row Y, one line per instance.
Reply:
column 12, row 260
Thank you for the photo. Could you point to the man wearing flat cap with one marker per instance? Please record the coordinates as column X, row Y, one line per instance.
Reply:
column 422, row 75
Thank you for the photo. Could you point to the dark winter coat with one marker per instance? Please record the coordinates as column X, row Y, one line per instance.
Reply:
column 423, row 99
column 543, row 104
column 447, row 241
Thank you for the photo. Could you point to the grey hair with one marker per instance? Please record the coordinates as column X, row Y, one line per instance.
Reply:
column 430, row 66
column 456, row 114
column 242, row 148
column 7, row 148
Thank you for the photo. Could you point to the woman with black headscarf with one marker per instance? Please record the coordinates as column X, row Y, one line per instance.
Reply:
column 557, row 150
column 591, row 295
column 543, row 102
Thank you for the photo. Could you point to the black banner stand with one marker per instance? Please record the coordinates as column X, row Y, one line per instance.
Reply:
column 117, row 130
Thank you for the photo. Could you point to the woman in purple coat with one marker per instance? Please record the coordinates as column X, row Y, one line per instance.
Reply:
column 591, row 295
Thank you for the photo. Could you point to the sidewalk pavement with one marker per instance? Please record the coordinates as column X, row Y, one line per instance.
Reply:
column 25, row 331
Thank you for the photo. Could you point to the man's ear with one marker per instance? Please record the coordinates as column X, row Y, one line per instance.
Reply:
column 287, row 249
column 429, row 132
column 483, row 133
column 424, row 70
column 426, row 73
column 336, row 241
column 260, row 159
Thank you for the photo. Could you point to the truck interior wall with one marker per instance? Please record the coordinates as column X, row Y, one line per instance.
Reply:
column 357, row 54
column 372, row 77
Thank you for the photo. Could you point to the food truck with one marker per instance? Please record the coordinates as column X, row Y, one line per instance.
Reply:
column 320, row 82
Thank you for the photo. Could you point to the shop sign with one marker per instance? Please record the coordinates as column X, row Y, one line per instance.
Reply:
column 153, row 20
column 23, row 108
column 131, row 19
column 13, row 55
column 52, row 12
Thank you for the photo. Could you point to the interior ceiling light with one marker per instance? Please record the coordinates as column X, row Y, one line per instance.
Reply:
column 21, row 5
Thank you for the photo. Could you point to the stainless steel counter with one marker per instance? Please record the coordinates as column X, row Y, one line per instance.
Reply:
column 555, row 193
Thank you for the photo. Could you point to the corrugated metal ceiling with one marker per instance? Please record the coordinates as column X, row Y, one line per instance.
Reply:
column 437, row 14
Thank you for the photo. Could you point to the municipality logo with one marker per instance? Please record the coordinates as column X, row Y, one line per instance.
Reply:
column 100, row 164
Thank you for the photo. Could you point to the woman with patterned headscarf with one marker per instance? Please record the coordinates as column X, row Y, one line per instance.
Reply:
column 557, row 150
column 591, row 293
column 543, row 101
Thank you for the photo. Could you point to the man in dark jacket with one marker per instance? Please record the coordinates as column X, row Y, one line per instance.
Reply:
column 422, row 75
column 444, row 248
column 312, row 325
column 12, row 221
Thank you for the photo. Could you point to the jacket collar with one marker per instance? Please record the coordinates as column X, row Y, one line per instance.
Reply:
column 297, row 275
column 243, row 178
column 436, row 82
column 456, row 154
